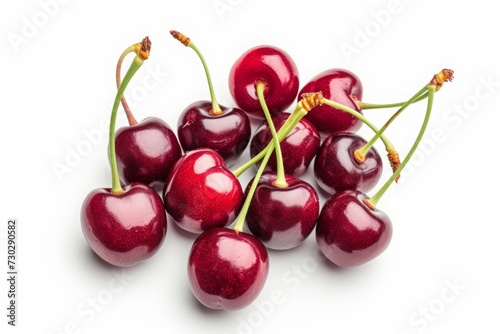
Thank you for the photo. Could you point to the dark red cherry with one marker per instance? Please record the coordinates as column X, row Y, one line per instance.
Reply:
column 282, row 217
column 349, row 232
column 338, row 85
column 201, row 193
column 275, row 68
column 146, row 152
column 298, row 148
column 227, row 133
column 227, row 269
column 336, row 168
column 127, row 228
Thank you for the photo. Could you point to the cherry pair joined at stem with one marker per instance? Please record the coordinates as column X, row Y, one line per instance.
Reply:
column 124, row 225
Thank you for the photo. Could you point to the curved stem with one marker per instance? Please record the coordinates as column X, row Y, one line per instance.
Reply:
column 216, row 109
column 136, row 64
column 130, row 117
column 372, row 202
column 364, row 105
column 364, row 150
column 388, row 145
column 280, row 170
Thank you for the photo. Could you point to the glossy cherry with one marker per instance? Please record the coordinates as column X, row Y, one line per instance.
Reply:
column 275, row 68
column 124, row 229
column 201, row 193
column 349, row 232
column 298, row 148
column 337, row 169
column 282, row 217
column 227, row 133
column 227, row 269
column 146, row 152
column 341, row 86
column 207, row 124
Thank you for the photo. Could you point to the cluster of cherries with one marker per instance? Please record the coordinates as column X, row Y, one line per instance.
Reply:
column 186, row 175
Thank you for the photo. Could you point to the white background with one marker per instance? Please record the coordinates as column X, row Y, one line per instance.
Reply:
column 440, row 273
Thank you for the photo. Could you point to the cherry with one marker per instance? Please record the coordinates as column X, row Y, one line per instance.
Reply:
column 282, row 217
column 211, row 125
column 341, row 86
column 201, row 193
column 227, row 269
column 147, row 150
column 350, row 233
column 336, row 167
column 298, row 148
column 123, row 225
column 126, row 228
column 270, row 65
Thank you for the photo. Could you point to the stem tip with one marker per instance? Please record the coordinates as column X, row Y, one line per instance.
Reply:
column 439, row 79
column 180, row 37
column 311, row 100
column 144, row 48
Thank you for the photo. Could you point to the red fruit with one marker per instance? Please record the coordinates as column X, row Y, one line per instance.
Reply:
column 201, row 193
column 227, row 133
column 127, row 228
column 349, row 232
column 146, row 151
column 341, row 86
column 336, row 168
column 227, row 269
column 275, row 68
column 282, row 217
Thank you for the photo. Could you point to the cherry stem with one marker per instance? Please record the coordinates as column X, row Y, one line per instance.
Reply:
column 240, row 221
column 364, row 105
column 362, row 151
column 280, row 170
column 141, row 49
column 134, row 66
column 130, row 117
column 434, row 85
column 216, row 109
column 388, row 145
column 373, row 201
column 308, row 102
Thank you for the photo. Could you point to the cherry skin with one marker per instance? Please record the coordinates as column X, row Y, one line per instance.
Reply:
column 227, row 269
column 275, row 68
column 338, row 85
column 298, row 148
column 124, row 229
column 201, row 193
column 336, row 168
column 282, row 217
column 228, row 133
column 350, row 233
column 146, row 152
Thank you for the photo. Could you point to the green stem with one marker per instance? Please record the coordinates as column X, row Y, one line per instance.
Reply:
column 364, row 150
column 136, row 64
column 364, row 105
column 388, row 145
column 130, row 117
column 240, row 221
column 216, row 110
column 280, row 170
column 372, row 202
